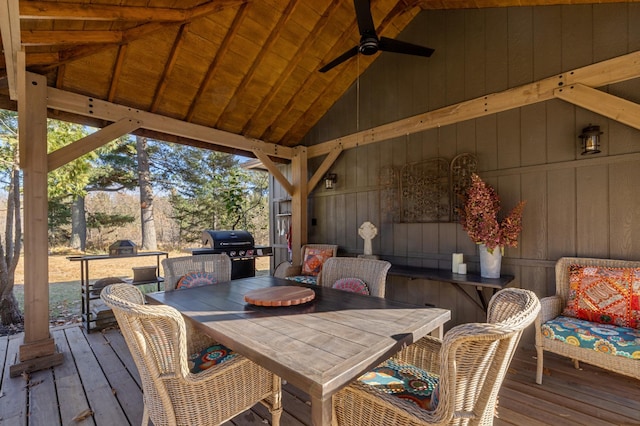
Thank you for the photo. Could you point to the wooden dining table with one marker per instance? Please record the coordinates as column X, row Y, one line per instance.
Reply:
column 319, row 346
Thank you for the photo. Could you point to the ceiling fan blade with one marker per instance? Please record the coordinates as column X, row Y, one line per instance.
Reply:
column 397, row 46
column 340, row 59
column 363, row 15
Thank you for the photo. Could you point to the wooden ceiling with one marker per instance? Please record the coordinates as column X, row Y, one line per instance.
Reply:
column 248, row 67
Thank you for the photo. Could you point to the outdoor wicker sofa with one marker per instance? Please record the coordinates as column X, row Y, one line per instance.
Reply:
column 607, row 345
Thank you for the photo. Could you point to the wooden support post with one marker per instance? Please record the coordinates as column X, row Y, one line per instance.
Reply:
column 38, row 350
column 298, row 202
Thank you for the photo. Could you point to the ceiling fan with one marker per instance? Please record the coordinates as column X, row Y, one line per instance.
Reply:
column 369, row 41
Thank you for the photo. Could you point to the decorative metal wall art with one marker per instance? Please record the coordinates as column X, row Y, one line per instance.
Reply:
column 426, row 191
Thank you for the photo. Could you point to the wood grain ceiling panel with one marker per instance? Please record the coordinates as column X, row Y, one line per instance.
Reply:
column 244, row 66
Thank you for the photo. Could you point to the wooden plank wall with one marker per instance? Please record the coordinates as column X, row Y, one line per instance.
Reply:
column 576, row 205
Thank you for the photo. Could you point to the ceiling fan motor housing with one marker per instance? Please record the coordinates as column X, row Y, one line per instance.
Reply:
column 368, row 45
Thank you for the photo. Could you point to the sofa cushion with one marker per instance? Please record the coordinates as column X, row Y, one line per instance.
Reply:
column 405, row 381
column 604, row 295
column 354, row 285
column 304, row 279
column 196, row 279
column 605, row 338
column 314, row 259
column 208, row 357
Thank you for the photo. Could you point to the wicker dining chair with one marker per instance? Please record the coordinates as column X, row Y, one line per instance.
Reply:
column 469, row 365
column 174, row 395
column 217, row 265
column 370, row 271
column 296, row 272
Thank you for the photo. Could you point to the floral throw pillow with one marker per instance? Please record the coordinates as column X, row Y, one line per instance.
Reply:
column 604, row 295
column 314, row 259
column 354, row 285
column 196, row 279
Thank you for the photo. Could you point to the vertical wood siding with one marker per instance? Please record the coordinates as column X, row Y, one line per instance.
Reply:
column 576, row 206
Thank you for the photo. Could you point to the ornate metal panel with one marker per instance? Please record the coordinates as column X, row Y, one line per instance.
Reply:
column 426, row 191
column 462, row 167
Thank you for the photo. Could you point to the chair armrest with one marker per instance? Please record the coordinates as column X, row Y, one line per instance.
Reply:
column 550, row 307
column 424, row 354
column 196, row 339
column 293, row 271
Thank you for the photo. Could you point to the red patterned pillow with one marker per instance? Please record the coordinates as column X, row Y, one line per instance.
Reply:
column 354, row 285
column 604, row 295
column 314, row 259
column 196, row 279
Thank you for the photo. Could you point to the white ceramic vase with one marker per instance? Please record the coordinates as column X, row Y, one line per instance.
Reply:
column 490, row 262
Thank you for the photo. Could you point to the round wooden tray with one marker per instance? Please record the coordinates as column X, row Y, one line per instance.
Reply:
column 279, row 296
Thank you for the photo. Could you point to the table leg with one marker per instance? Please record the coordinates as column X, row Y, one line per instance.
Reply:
column 321, row 411
column 438, row 332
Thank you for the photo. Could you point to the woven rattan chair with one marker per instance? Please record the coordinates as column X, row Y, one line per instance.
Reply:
column 286, row 269
column 372, row 272
column 176, row 267
column 471, row 362
column 160, row 343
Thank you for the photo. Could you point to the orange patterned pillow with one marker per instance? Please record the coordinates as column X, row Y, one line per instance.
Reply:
column 314, row 259
column 604, row 295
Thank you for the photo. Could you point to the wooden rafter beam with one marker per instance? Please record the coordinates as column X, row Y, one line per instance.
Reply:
column 98, row 109
column 613, row 107
column 304, row 47
column 336, row 78
column 324, row 167
column 222, row 51
column 10, row 30
column 478, row 4
column 95, row 140
column 338, row 46
column 42, row 10
column 275, row 171
column 168, row 68
column 56, row 38
column 101, row 40
column 257, row 62
column 117, row 70
column 611, row 71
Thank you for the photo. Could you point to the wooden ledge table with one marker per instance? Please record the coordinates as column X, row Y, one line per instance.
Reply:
column 457, row 280
column 319, row 346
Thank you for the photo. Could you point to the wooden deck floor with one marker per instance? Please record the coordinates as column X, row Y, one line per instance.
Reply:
column 98, row 384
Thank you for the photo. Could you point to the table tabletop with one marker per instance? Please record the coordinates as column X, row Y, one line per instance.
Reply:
column 319, row 346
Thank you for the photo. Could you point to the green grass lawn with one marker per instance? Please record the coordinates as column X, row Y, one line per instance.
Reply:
column 65, row 300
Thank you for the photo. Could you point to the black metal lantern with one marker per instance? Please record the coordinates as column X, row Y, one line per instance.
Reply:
column 590, row 140
column 330, row 180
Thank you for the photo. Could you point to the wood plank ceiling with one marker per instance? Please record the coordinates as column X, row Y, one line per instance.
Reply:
column 248, row 67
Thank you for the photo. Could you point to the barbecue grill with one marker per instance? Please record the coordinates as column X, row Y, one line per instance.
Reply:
column 239, row 246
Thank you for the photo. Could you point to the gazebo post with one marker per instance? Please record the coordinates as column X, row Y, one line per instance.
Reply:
column 38, row 350
column 298, row 202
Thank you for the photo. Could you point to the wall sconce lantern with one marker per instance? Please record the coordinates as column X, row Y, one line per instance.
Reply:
column 330, row 180
column 590, row 140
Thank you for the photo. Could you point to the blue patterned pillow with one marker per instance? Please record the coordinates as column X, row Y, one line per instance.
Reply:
column 196, row 279
column 208, row 357
column 406, row 381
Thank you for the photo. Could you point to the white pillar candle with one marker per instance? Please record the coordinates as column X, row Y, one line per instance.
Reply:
column 462, row 268
column 456, row 260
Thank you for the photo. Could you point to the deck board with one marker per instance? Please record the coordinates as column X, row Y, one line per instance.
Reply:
column 98, row 374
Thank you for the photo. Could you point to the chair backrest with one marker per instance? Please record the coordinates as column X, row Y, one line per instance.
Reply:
column 156, row 337
column 176, row 267
column 372, row 272
column 474, row 357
